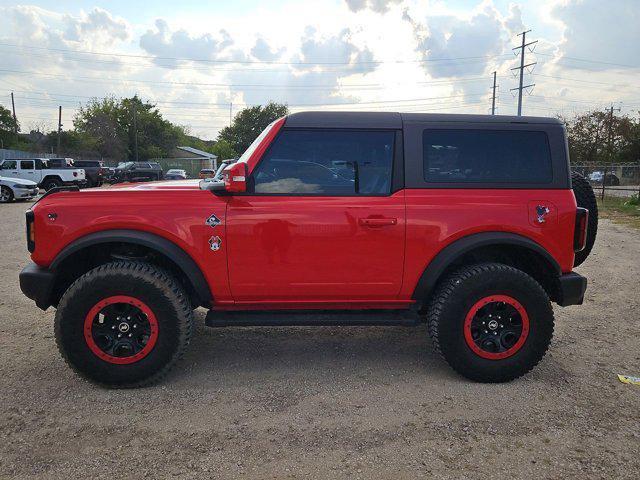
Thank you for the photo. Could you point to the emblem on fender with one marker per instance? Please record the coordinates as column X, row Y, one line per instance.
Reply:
column 212, row 221
column 214, row 243
column 541, row 211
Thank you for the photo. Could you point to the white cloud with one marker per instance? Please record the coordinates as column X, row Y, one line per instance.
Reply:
column 163, row 42
column 450, row 37
column 97, row 23
column 607, row 31
column 380, row 6
column 263, row 51
column 315, row 73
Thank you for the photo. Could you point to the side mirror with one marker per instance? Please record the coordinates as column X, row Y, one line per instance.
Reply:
column 234, row 180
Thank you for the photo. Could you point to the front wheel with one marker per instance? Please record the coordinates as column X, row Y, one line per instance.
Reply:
column 491, row 322
column 123, row 324
column 6, row 194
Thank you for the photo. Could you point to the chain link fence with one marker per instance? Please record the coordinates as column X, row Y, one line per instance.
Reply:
column 611, row 180
column 6, row 153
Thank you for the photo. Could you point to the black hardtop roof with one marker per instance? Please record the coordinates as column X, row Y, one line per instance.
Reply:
column 396, row 119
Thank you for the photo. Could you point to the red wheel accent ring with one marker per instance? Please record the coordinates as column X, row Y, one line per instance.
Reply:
column 129, row 302
column 511, row 350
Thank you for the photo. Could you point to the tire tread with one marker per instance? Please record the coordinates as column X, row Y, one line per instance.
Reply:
column 145, row 271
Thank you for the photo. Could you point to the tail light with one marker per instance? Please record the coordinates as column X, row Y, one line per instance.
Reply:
column 31, row 231
column 580, row 233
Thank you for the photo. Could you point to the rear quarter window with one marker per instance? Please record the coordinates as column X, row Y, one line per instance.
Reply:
column 486, row 156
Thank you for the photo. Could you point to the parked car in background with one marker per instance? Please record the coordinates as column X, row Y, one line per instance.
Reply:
column 17, row 189
column 109, row 173
column 94, row 171
column 175, row 174
column 43, row 172
column 610, row 178
column 137, row 172
column 207, row 173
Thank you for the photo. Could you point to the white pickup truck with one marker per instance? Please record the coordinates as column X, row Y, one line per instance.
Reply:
column 38, row 170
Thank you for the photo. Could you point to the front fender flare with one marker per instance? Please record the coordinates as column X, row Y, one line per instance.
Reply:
column 163, row 246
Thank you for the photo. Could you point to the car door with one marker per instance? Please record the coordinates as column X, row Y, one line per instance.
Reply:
column 9, row 168
column 321, row 222
column 28, row 170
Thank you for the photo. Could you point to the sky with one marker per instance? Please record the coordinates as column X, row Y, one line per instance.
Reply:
column 201, row 62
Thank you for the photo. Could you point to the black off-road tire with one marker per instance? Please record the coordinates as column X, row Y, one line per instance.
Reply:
column 455, row 297
column 153, row 286
column 51, row 183
column 585, row 198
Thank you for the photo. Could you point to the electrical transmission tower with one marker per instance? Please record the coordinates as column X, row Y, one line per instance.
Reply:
column 493, row 96
column 522, row 67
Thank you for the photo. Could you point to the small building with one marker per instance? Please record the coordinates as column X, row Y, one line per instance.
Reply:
column 190, row 159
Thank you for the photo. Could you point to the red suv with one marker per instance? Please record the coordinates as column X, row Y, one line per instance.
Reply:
column 468, row 224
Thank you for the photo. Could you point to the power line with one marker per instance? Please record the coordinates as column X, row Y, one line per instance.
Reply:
column 365, row 86
column 562, row 57
column 248, row 62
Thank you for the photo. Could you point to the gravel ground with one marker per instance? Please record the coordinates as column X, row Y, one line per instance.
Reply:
column 330, row 402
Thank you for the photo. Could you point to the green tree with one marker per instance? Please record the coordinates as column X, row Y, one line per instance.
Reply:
column 114, row 126
column 223, row 150
column 249, row 123
column 597, row 137
column 8, row 127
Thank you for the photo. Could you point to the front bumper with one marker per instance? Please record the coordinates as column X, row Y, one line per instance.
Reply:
column 37, row 284
column 572, row 289
column 25, row 193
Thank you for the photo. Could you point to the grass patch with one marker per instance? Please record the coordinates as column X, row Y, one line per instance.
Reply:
column 620, row 210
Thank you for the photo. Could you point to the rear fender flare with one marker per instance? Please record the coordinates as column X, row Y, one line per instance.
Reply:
column 452, row 252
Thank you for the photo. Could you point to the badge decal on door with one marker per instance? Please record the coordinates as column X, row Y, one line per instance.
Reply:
column 214, row 243
column 212, row 221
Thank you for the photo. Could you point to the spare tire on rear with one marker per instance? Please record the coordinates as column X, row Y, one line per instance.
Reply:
column 585, row 198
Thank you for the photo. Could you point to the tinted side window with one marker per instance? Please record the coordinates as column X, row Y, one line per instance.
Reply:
column 486, row 156
column 26, row 164
column 327, row 162
column 9, row 165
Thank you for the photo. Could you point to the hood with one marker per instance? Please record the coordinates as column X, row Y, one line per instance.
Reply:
column 19, row 181
column 165, row 185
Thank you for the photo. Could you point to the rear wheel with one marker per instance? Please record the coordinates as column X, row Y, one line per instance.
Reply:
column 51, row 183
column 123, row 324
column 490, row 322
column 585, row 198
column 6, row 194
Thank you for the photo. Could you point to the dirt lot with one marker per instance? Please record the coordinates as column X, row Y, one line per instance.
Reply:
column 330, row 402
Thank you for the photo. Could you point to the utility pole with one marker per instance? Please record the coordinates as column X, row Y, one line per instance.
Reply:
column 522, row 67
column 493, row 97
column 604, row 173
column 15, row 120
column 135, row 129
column 59, row 128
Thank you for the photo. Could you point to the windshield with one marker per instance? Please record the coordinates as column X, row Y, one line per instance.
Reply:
column 124, row 164
column 249, row 151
